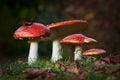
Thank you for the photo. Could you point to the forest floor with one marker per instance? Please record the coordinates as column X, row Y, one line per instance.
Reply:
column 105, row 68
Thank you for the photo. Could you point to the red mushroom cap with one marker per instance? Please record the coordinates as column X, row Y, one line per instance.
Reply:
column 35, row 30
column 64, row 28
column 68, row 23
column 76, row 39
column 93, row 52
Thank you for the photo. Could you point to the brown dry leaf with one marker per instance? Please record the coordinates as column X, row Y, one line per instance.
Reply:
column 34, row 73
column 61, row 66
column 100, row 64
column 28, row 70
column 75, row 67
column 58, row 65
column 73, row 70
column 100, row 70
column 47, row 75
column 115, row 59
column 81, row 77
column 113, row 70
column 106, row 59
column 84, row 72
column 51, row 75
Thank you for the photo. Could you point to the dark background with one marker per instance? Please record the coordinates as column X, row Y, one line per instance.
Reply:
column 103, row 17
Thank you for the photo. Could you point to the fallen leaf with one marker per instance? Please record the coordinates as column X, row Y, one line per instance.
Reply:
column 100, row 64
column 73, row 70
column 51, row 75
column 34, row 73
column 100, row 70
column 106, row 59
column 113, row 70
column 61, row 66
column 58, row 65
column 115, row 59
column 84, row 72
column 81, row 77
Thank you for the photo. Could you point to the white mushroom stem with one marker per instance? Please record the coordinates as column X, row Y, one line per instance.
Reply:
column 78, row 53
column 56, row 51
column 33, row 52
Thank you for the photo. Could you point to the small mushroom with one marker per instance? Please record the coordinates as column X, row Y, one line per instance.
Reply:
column 77, row 40
column 92, row 52
column 33, row 31
column 62, row 29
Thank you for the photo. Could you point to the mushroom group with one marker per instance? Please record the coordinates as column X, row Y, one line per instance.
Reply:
column 65, row 32
column 33, row 31
column 61, row 29
column 78, row 40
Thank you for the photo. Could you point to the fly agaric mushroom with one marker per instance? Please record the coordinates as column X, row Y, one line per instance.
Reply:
column 77, row 40
column 92, row 52
column 33, row 31
column 62, row 29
